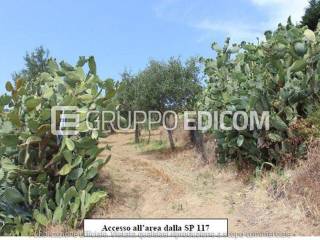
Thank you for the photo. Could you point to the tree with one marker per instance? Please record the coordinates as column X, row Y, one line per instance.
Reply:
column 171, row 85
column 312, row 15
column 161, row 86
column 36, row 62
column 126, row 94
column 127, row 97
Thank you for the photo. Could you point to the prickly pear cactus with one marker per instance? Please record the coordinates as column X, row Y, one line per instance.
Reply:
column 279, row 75
column 45, row 179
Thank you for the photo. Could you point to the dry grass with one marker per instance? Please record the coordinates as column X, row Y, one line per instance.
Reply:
column 210, row 148
column 150, row 182
column 61, row 231
column 304, row 186
column 181, row 137
column 159, row 145
column 298, row 187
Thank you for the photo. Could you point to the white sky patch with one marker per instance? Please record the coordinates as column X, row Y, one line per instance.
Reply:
column 277, row 11
column 170, row 10
column 237, row 31
column 280, row 10
column 274, row 12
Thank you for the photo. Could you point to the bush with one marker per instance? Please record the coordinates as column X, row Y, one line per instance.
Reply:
column 279, row 75
column 44, row 178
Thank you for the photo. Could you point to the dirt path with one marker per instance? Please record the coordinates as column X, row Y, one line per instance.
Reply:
column 174, row 185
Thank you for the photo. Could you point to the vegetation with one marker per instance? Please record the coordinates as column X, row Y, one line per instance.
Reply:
column 45, row 178
column 312, row 15
column 279, row 75
column 162, row 86
column 127, row 97
column 36, row 62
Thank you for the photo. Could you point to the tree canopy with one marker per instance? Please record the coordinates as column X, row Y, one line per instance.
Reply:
column 161, row 86
column 36, row 62
column 171, row 85
column 312, row 15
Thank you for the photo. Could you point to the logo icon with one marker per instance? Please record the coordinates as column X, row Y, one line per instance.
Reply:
column 65, row 120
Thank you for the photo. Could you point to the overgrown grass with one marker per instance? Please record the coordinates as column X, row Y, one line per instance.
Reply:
column 305, row 184
column 153, row 145
column 299, row 185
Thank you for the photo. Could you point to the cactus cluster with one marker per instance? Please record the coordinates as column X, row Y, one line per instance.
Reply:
column 45, row 179
column 279, row 75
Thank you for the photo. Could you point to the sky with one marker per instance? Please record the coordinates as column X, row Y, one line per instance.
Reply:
column 126, row 34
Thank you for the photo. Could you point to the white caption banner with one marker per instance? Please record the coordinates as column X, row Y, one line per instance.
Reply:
column 156, row 227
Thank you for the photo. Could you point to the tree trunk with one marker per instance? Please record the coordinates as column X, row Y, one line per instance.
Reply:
column 170, row 135
column 200, row 146
column 149, row 136
column 112, row 131
column 136, row 134
column 197, row 140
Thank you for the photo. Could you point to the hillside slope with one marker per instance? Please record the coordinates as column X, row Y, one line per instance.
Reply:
column 160, row 184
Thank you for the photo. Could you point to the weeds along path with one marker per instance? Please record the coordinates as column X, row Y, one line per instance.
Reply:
column 160, row 184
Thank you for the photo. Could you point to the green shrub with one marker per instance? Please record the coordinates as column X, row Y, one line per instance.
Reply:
column 45, row 179
column 279, row 75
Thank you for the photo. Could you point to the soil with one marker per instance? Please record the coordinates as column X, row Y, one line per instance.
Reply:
column 163, row 184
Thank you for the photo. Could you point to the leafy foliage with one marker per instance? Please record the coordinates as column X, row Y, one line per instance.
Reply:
column 36, row 63
column 279, row 75
column 311, row 16
column 162, row 86
column 45, row 178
